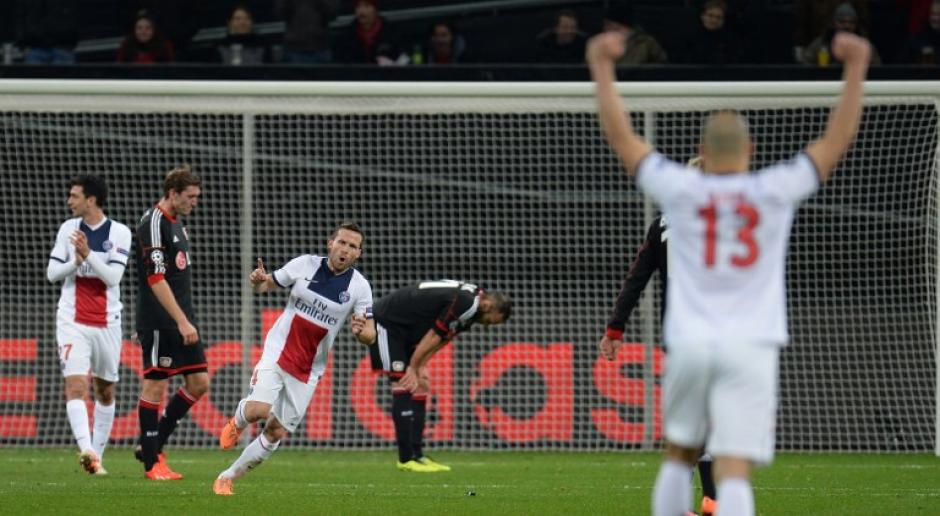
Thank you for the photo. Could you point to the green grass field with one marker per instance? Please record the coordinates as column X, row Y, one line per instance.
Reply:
column 49, row 481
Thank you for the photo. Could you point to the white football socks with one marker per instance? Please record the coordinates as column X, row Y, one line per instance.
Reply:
column 104, row 419
column 255, row 453
column 735, row 497
column 240, row 420
column 672, row 494
column 78, row 420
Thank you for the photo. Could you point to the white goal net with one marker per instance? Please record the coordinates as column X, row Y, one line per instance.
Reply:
column 510, row 186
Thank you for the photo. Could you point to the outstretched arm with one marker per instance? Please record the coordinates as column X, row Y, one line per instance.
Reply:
column 603, row 50
column 842, row 127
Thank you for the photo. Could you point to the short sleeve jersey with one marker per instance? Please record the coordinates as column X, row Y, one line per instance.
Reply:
column 162, row 253
column 728, row 244
column 85, row 297
column 319, row 304
column 447, row 307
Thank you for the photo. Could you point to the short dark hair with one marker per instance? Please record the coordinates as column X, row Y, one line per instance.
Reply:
column 348, row 225
column 92, row 186
column 179, row 179
column 501, row 304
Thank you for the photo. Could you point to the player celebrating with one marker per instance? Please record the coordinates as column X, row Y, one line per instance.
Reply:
column 166, row 320
column 651, row 257
column 89, row 257
column 726, row 316
column 323, row 292
column 412, row 324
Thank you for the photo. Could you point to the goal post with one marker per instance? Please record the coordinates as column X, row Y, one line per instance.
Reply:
column 511, row 186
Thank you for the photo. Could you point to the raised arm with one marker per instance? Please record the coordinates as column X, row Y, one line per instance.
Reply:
column 842, row 127
column 602, row 51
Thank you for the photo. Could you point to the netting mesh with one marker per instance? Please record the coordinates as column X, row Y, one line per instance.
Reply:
column 527, row 201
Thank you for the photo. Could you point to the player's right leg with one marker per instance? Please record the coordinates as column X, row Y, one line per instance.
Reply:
column 285, row 400
column 251, row 409
column 743, row 403
column 685, row 415
column 75, row 360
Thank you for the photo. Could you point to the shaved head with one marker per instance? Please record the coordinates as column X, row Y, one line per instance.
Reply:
column 726, row 135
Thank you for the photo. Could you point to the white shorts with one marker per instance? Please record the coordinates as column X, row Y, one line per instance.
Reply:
column 288, row 396
column 728, row 391
column 83, row 348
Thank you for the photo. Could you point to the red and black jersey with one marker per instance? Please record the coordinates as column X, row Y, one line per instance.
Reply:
column 162, row 252
column 650, row 257
column 446, row 306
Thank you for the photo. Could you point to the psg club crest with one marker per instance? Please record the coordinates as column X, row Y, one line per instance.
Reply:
column 107, row 245
column 344, row 297
column 181, row 260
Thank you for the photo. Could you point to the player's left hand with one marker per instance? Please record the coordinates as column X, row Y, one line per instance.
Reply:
column 80, row 241
column 609, row 347
column 259, row 275
column 410, row 381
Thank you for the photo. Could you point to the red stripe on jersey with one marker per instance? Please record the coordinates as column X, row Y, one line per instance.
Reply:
column 17, row 388
column 17, row 426
column 154, row 278
column 17, row 349
column 165, row 214
column 300, row 348
column 91, row 301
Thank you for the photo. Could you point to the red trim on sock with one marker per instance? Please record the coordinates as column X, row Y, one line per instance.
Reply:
column 148, row 404
column 187, row 397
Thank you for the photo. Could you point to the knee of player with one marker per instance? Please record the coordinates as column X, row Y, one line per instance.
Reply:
column 256, row 411
column 105, row 396
column 274, row 431
column 75, row 388
column 197, row 384
column 680, row 453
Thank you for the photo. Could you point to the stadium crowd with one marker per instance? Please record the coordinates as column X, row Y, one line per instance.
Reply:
column 702, row 32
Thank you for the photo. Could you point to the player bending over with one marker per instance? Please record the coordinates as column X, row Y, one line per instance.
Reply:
column 726, row 316
column 323, row 292
column 651, row 257
column 412, row 324
column 89, row 257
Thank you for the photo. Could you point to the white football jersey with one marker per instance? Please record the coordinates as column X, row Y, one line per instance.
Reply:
column 319, row 303
column 85, row 298
column 727, row 247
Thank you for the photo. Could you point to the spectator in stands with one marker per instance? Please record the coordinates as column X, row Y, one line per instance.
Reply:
column 445, row 45
column 47, row 30
column 924, row 47
column 242, row 46
column 564, row 42
column 844, row 19
column 642, row 48
column 177, row 20
column 918, row 13
column 370, row 39
column 307, row 38
column 712, row 42
column 812, row 19
column 145, row 45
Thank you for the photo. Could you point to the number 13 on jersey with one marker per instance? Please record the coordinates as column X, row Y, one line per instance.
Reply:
column 749, row 217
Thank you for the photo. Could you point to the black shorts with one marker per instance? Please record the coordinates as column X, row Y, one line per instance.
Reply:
column 165, row 355
column 390, row 354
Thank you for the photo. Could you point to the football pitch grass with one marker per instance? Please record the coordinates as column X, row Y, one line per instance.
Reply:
column 50, row 481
